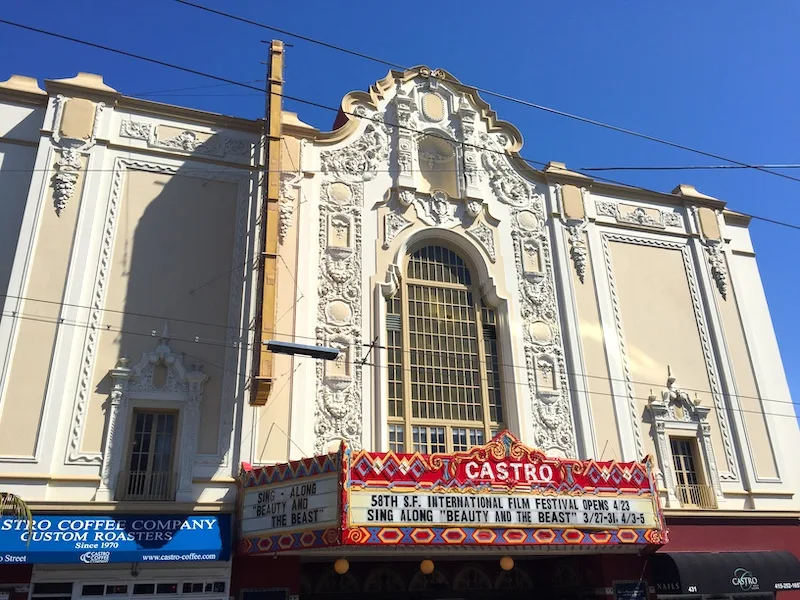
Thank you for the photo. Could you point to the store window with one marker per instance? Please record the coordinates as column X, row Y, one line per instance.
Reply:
column 210, row 590
column 150, row 474
column 690, row 487
column 51, row 591
column 443, row 362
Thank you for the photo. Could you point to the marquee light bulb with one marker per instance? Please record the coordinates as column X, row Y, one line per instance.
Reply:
column 506, row 563
column 426, row 566
column 341, row 566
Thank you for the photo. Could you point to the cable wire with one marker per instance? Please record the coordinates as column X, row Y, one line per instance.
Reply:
column 241, row 341
column 356, row 363
column 351, row 114
column 500, row 95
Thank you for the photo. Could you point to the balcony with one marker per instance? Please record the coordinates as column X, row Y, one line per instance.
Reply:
column 146, row 485
column 696, row 496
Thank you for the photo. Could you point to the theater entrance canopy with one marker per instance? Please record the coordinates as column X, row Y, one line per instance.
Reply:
column 502, row 495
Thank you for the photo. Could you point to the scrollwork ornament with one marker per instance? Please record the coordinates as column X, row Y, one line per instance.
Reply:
column 719, row 272
column 337, row 411
column 550, row 408
column 577, row 249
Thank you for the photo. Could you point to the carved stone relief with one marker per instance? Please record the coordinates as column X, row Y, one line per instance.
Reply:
column 638, row 215
column 69, row 164
column 362, row 159
column 178, row 384
column 708, row 351
column 338, row 405
column 187, row 140
column 485, row 237
column 716, row 259
column 576, row 229
column 393, row 224
column 675, row 410
column 544, row 357
column 289, row 182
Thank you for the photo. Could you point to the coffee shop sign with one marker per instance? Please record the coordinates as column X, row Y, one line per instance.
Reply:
column 105, row 529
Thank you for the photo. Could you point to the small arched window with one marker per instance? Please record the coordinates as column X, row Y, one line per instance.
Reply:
column 444, row 370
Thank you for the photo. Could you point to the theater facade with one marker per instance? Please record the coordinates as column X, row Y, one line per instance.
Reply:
column 544, row 383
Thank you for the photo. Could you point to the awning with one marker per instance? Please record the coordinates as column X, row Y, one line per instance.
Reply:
column 725, row 572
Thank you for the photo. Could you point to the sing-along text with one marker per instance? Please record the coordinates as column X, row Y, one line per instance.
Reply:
column 499, row 510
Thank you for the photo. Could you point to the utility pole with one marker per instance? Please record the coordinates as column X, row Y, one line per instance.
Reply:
column 268, row 264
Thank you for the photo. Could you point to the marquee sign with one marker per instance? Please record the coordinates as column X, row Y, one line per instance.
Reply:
column 503, row 493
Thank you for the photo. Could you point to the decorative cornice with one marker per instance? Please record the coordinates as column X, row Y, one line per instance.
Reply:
column 189, row 141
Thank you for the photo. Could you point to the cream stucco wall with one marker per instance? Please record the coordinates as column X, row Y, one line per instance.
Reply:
column 659, row 327
column 29, row 373
column 171, row 264
column 596, row 375
column 153, row 229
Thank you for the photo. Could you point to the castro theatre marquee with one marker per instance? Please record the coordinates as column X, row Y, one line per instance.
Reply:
column 503, row 494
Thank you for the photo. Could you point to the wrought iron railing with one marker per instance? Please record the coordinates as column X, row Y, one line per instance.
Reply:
column 696, row 496
column 146, row 485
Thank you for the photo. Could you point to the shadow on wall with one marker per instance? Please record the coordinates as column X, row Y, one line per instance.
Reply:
column 16, row 171
column 180, row 260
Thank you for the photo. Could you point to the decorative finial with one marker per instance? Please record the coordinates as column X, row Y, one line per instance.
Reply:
column 165, row 333
column 697, row 400
column 670, row 378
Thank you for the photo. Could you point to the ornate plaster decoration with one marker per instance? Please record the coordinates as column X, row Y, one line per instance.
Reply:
column 471, row 166
column 605, row 208
column 677, row 412
column 638, row 215
column 672, row 218
column 362, row 159
column 506, row 184
column 544, row 356
column 576, row 229
column 188, row 140
column 231, row 389
column 437, row 210
column 338, row 410
column 485, row 237
column 136, row 130
column 179, row 385
column 578, row 251
column 716, row 261
column 705, row 342
column 393, row 224
column 69, row 164
column 66, row 178
column 406, row 111
column 289, row 183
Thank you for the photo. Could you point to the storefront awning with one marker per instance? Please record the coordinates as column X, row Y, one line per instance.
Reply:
column 725, row 572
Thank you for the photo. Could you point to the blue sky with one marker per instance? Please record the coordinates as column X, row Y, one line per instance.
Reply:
column 724, row 81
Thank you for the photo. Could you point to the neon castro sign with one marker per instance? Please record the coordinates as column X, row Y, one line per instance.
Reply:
column 506, row 471
column 744, row 580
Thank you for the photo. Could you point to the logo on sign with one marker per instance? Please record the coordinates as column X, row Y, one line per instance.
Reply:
column 95, row 558
column 744, row 580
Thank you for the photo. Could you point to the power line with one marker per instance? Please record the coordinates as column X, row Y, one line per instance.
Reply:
column 502, row 96
column 689, row 167
column 294, row 337
column 194, row 87
column 355, row 362
column 337, row 110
